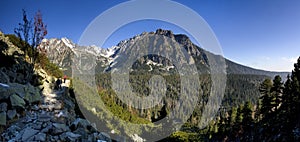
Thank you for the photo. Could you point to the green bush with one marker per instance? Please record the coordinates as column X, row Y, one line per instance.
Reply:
column 49, row 67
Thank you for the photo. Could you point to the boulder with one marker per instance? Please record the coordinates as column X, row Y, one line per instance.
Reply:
column 5, row 91
column 28, row 134
column 44, row 117
column 79, row 123
column 18, row 89
column 16, row 101
column 32, row 94
column 3, row 107
column 11, row 114
column 40, row 137
column 72, row 137
column 3, row 77
column 3, row 118
column 59, row 128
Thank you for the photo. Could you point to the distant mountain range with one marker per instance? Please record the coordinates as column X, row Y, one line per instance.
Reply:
column 61, row 51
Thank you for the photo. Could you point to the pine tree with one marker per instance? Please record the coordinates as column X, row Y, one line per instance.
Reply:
column 295, row 94
column 277, row 91
column 247, row 121
column 266, row 97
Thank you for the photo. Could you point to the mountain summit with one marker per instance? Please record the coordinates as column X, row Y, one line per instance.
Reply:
column 61, row 51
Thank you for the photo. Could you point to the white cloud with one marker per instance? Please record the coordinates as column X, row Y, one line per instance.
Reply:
column 292, row 59
column 274, row 64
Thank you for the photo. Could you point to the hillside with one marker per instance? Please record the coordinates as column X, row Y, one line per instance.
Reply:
column 242, row 83
column 32, row 108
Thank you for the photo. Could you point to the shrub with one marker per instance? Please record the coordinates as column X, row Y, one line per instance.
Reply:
column 49, row 67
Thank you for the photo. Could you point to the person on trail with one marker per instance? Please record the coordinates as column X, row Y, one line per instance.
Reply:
column 65, row 77
column 58, row 83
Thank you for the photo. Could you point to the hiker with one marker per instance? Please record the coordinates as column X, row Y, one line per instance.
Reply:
column 58, row 83
column 65, row 77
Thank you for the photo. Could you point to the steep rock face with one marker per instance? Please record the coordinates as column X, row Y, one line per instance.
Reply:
column 59, row 51
column 13, row 66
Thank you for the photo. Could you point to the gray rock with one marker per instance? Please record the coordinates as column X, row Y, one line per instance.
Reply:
column 40, row 137
column 19, row 77
column 35, row 108
column 63, row 136
column 28, row 133
column 44, row 117
column 3, row 107
column 104, row 136
column 3, row 77
column 16, row 101
column 83, row 132
column 46, row 129
column 79, row 122
column 11, row 114
column 5, row 91
column 3, row 118
column 37, row 125
column 18, row 89
column 32, row 94
column 72, row 137
column 59, row 128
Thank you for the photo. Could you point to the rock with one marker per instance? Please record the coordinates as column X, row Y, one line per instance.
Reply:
column 44, row 117
column 18, row 89
column 79, row 122
column 16, row 101
column 12, row 131
column 3, row 77
column 3, row 118
column 82, row 132
column 5, row 91
column 37, row 125
column 32, row 94
column 60, row 128
column 11, row 114
column 3, row 107
column 46, row 129
column 28, row 133
column 19, row 77
column 40, row 137
column 104, row 136
column 35, row 108
column 72, row 137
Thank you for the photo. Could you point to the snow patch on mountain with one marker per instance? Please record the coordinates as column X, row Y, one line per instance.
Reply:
column 67, row 42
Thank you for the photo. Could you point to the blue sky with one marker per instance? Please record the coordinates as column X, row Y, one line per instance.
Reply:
column 263, row 34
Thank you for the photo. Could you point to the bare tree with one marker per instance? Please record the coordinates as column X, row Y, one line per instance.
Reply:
column 23, row 31
column 31, row 34
column 40, row 30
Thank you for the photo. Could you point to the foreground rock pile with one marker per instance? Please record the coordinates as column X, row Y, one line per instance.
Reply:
column 36, row 113
column 33, row 115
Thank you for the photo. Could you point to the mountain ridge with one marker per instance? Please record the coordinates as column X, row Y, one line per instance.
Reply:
column 107, row 55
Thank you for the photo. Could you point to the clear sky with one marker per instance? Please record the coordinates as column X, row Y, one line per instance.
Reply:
column 263, row 34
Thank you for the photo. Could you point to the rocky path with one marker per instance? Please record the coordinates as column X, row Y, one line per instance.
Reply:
column 52, row 119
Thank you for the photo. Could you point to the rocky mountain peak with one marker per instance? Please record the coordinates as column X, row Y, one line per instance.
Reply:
column 167, row 33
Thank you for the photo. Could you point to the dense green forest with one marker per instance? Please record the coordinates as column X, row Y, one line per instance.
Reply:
column 254, row 107
column 273, row 117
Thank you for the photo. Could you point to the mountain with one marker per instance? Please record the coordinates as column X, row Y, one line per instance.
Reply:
column 61, row 51
column 152, row 53
column 170, row 58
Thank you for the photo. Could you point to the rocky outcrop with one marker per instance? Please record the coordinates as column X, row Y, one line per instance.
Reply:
column 49, row 118
column 37, row 112
column 13, row 66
